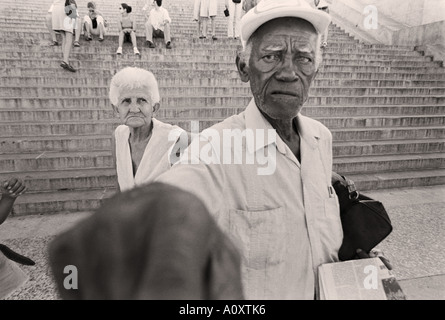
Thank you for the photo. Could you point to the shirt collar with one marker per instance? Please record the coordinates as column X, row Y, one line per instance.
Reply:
column 255, row 120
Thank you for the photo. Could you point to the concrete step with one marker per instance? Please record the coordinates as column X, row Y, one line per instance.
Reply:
column 93, row 73
column 52, row 67
column 346, row 121
column 61, row 201
column 189, row 29
column 90, row 53
column 385, row 105
column 33, row 81
column 196, row 64
column 39, row 144
column 376, row 134
column 190, row 45
column 107, row 127
column 387, row 147
column 176, row 59
column 373, row 110
column 56, row 161
column 75, row 179
column 379, row 121
column 44, row 161
column 234, row 90
column 216, row 101
column 215, row 77
column 180, row 43
column 388, row 163
column 47, row 115
column 58, row 128
column 75, row 201
column 406, row 179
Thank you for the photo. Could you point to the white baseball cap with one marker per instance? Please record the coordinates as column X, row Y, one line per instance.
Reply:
column 267, row 10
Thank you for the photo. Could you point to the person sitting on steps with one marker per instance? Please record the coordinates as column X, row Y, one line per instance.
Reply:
column 158, row 25
column 126, row 27
column 93, row 23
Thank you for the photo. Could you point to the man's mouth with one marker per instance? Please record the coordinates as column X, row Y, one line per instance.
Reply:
column 284, row 93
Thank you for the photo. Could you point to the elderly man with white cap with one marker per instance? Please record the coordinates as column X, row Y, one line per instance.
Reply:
column 274, row 199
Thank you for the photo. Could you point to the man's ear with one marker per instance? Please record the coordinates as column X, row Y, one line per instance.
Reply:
column 243, row 68
column 156, row 107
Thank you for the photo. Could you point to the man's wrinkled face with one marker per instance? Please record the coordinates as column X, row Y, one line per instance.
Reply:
column 282, row 66
column 135, row 107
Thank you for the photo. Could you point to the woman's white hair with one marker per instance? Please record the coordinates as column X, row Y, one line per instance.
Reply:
column 133, row 78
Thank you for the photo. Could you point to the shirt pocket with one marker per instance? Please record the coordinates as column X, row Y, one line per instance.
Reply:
column 331, row 231
column 261, row 238
column 331, row 208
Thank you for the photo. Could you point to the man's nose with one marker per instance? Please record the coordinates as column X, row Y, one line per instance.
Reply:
column 287, row 71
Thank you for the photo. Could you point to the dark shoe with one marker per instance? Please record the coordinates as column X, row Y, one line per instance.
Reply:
column 54, row 43
column 214, row 37
column 202, row 37
column 168, row 45
column 150, row 44
column 67, row 66
column 76, row 44
column 88, row 37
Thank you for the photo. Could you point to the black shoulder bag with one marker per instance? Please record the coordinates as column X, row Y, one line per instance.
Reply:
column 364, row 220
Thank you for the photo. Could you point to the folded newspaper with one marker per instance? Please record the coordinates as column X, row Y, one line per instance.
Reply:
column 362, row 279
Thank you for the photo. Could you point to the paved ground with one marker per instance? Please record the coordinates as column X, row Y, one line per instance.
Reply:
column 416, row 246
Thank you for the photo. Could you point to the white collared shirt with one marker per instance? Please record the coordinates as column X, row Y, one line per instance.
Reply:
column 157, row 18
column 285, row 224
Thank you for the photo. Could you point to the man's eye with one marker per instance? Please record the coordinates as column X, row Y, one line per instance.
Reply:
column 127, row 100
column 304, row 59
column 143, row 100
column 270, row 58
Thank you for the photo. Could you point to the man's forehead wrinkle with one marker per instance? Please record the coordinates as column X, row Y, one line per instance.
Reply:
column 274, row 47
column 297, row 44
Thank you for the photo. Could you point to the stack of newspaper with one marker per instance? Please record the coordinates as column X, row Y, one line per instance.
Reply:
column 362, row 279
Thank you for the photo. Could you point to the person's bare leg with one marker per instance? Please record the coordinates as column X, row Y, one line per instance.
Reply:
column 133, row 39
column 121, row 39
column 213, row 27
column 63, row 40
column 67, row 46
column 88, row 29
column 204, row 26
column 77, row 31
column 101, row 30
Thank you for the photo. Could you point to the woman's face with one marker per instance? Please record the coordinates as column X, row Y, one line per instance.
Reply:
column 135, row 107
column 122, row 10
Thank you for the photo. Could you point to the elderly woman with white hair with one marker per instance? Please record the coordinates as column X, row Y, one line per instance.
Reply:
column 143, row 147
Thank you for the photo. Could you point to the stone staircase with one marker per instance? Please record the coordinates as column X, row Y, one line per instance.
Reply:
column 385, row 105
